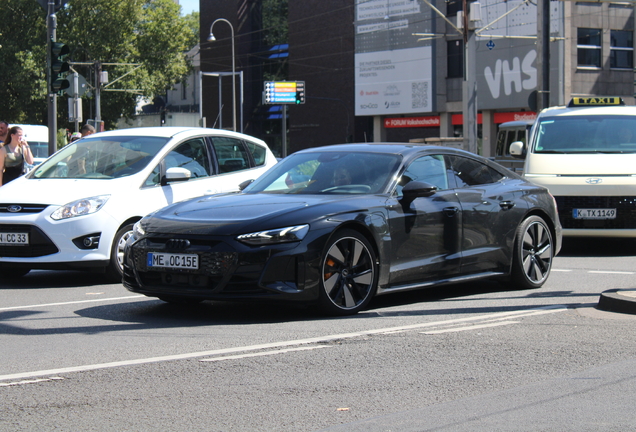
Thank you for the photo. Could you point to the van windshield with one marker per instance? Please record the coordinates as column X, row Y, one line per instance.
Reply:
column 586, row 134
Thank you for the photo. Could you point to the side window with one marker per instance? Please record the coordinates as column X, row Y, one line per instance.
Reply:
column 231, row 154
column 501, row 143
column 192, row 155
column 259, row 153
column 469, row 172
column 429, row 169
column 154, row 178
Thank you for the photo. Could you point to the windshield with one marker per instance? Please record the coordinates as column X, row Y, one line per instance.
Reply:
column 586, row 134
column 101, row 158
column 329, row 172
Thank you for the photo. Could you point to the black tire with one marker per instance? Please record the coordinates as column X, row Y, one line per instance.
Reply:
column 532, row 255
column 115, row 269
column 13, row 273
column 348, row 274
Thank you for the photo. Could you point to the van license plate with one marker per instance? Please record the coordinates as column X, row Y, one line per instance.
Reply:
column 175, row 261
column 14, row 239
column 594, row 213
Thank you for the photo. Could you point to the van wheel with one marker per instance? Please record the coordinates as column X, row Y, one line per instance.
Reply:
column 115, row 269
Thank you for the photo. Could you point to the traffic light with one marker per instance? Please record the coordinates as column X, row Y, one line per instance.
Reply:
column 59, row 67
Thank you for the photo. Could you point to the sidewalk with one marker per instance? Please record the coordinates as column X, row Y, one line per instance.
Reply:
column 618, row 300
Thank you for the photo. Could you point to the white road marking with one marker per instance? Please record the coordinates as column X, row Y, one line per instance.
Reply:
column 33, row 381
column 70, row 303
column 466, row 328
column 560, row 270
column 611, row 272
column 263, row 353
column 277, row 345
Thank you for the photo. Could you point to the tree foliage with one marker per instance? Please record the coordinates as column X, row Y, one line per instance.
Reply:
column 142, row 44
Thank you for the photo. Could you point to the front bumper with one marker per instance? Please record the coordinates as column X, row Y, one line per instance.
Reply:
column 228, row 270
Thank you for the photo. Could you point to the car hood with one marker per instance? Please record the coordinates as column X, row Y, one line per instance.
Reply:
column 58, row 191
column 238, row 213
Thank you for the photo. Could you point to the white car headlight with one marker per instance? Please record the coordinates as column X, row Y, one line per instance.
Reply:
column 273, row 236
column 80, row 207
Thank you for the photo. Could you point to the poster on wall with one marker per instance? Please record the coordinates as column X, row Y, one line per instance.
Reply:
column 393, row 70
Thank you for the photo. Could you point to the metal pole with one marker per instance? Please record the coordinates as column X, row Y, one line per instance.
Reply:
column 284, row 149
column 211, row 38
column 98, row 95
column 75, row 98
column 51, row 24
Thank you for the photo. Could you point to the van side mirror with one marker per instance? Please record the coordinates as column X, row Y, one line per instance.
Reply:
column 518, row 150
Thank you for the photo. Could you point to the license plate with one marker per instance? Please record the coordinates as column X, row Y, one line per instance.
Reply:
column 594, row 213
column 175, row 261
column 14, row 239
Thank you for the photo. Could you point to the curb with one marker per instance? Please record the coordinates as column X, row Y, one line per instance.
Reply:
column 618, row 300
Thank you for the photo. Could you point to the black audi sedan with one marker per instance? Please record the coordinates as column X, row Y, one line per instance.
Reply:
column 336, row 225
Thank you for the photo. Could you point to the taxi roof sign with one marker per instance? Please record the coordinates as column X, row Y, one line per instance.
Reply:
column 596, row 101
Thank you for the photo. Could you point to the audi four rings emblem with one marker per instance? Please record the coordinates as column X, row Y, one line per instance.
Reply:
column 14, row 208
column 593, row 181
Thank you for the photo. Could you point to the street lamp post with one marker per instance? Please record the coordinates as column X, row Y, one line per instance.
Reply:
column 211, row 38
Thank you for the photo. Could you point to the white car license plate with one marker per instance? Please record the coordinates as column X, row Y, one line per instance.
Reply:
column 14, row 239
column 175, row 261
column 594, row 213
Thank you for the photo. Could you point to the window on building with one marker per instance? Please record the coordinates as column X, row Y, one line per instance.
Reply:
column 621, row 49
column 589, row 47
column 184, row 90
column 455, row 58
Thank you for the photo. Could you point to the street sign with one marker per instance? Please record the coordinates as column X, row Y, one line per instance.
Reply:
column 82, row 86
column 285, row 92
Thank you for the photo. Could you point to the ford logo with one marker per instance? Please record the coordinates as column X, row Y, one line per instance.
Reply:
column 14, row 208
column 593, row 181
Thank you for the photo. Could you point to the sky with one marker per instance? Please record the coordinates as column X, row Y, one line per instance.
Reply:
column 189, row 6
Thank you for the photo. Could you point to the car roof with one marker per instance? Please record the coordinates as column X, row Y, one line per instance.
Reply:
column 516, row 124
column 172, row 131
column 588, row 110
column 387, row 147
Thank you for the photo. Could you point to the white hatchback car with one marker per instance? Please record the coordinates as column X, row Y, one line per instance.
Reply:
column 77, row 209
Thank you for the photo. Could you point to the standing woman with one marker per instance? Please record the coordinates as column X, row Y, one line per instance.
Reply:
column 13, row 154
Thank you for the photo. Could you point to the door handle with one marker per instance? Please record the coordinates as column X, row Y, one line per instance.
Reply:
column 506, row 205
column 451, row 211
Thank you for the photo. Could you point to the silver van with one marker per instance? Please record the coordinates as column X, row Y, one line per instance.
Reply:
column 510, row 132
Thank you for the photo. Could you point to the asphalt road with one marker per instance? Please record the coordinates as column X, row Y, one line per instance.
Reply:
column 80, row 355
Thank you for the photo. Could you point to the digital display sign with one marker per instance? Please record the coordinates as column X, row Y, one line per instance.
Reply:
column 285, row 92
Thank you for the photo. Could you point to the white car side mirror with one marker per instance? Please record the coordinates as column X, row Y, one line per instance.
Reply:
column 517, row 149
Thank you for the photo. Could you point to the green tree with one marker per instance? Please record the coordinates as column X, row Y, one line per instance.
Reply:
column 147, row 38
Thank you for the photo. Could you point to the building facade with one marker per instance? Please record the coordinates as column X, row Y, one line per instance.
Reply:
column 394, row 70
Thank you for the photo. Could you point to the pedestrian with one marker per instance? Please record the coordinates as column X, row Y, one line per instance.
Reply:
column 75, row 136
column 87, row 130
column 4, row 129
column 13, row 154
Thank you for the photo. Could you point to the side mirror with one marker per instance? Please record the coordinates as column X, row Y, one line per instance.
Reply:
column 417, row 189
column 518, row 150
column 245, row 184
column 177, row 174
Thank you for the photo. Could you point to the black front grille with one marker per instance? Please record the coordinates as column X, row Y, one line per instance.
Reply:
column 22, row 208
column 222, row 271
column 39, row 243
column 625, row 211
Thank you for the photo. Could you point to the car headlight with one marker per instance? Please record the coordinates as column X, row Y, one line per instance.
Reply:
column 80, row 207
column 138, row 230
column 273, row 236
